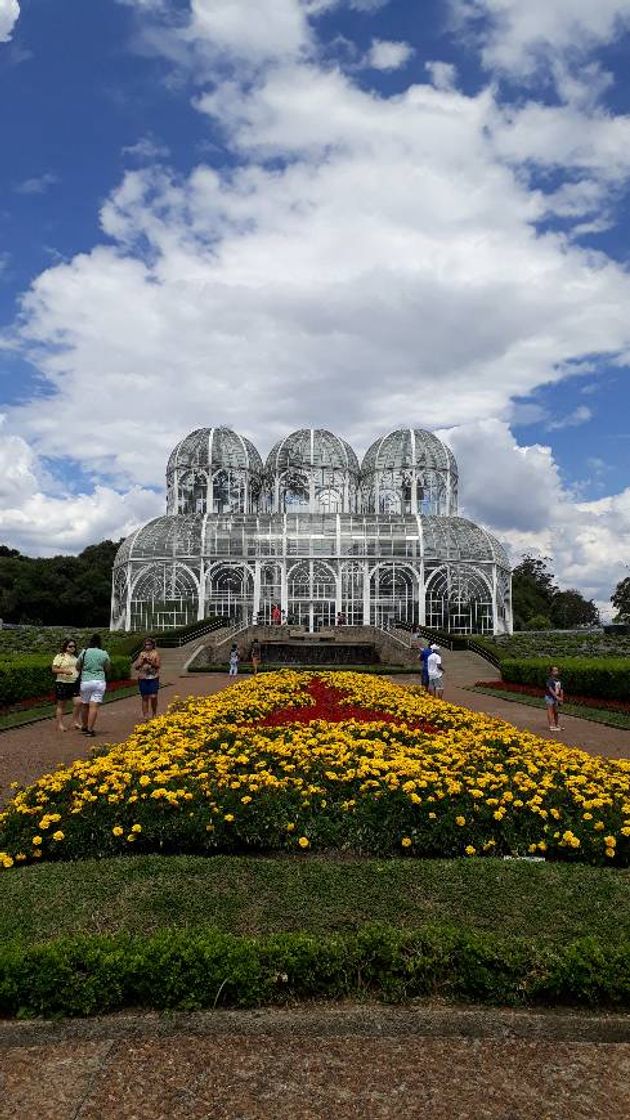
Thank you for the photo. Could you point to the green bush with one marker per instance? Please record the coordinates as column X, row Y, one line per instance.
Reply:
column 183, row 970
column 24, row 677
column 581, row 676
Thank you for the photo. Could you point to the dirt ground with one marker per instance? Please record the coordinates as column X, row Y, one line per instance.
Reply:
column 319, row 1063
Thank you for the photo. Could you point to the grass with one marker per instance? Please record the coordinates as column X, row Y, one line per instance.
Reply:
column 581, row 711
column 142, row 895
column 47, row 711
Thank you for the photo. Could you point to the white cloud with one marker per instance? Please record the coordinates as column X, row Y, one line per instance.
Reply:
column 365, row 262
column 146, row 150
column 268, row 29
column 443, row 75
column 385, row 54
column 9, row 15
column 588, row 542
column 518, row 34
column 573, row 419
column 39, row 184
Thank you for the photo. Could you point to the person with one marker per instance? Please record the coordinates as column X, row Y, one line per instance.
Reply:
column 67, row 679
column 424, row 656
column 233, row 670
column 95, row 667
column 435, row 672
column 255, row 655
column 554, row 696
column 148, row 666
column 276, row 615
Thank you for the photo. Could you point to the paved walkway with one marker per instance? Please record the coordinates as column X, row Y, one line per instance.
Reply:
column 464, row 669
column 316, row 1062
column 26, row 752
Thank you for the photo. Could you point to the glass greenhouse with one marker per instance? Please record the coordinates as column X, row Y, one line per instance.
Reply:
column 314, row 534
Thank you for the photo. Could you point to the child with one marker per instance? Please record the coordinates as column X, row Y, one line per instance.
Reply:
column 554, row 695
column 234, row 660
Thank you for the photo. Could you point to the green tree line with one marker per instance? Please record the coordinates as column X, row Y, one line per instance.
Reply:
column 57, row 590
column 539, row 604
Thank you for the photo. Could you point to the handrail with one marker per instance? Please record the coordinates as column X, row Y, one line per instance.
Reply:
column 485, row 653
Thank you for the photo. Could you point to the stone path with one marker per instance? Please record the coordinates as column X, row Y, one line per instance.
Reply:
column 26, row 752
column 318, row 1063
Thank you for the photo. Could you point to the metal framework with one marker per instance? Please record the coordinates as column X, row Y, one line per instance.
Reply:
column 314, row 534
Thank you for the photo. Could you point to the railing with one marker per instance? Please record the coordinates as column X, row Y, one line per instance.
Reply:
column 474, row 647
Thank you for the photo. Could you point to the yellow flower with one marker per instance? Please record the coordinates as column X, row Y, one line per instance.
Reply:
column 599, row 826
column 461, row 821
column 229, row 817
column 136, row 828
column 303, row 842
column 59, row 835
column 37, row 841
column 245, row 800
column 290, row 826
column 610, row 841
column 610, row 852
column 432, row 816
column 470, row 851
column 117, row 830
column 406, row 841
column 131, row 837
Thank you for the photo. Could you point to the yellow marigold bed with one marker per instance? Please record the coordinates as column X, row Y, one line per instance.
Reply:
column 343, row 761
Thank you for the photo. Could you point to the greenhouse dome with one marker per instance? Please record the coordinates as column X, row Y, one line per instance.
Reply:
column 315, row 536
column 213, row 470
column 410, row 471
column 312, row 470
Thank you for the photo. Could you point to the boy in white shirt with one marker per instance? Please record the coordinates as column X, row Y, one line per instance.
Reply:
column 436, row 672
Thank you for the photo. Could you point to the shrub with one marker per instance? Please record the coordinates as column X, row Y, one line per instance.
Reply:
column 23, row 677
column 605, row 677
column 186, row 971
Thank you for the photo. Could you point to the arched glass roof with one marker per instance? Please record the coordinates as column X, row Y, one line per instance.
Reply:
column 312, row 447
column 406, row 448
column 436, row 539
column 213, row 448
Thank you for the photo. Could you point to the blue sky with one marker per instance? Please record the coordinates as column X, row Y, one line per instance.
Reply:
column 335, row 212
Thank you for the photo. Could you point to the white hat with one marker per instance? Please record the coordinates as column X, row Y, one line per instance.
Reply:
column 435, row 647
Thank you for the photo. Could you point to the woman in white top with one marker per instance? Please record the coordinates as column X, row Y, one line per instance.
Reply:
column 67, row 681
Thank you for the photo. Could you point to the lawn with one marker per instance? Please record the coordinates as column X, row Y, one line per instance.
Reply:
column 581, row 711
column 257, row 896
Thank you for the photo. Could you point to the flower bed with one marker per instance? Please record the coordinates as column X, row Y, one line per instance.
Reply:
column 532, row 690
column 388, row 770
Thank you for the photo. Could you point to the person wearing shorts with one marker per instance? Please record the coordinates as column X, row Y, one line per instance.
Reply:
column 148, row 666
column 67, row 675
column 95, row 666
column 554, row 695
column 435, row 670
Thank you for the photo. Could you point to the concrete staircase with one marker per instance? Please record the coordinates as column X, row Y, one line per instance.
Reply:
column 392, row 649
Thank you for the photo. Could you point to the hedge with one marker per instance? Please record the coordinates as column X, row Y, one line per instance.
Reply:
column 605, row 677
column 184, row 970
column 30, row 675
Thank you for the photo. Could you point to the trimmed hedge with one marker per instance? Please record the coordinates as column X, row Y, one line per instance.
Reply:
column 30, row 675
column 184, row 970
column 605, row 677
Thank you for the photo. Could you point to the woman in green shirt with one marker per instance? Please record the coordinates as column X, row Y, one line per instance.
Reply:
column 95, row 666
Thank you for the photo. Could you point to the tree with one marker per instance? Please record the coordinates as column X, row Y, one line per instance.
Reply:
column 533, row 590
column 59, row 590
column 570, row 609
column 539, row 603
column 620, row 599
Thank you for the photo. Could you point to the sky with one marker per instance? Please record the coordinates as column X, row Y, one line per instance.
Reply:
column 350, row 214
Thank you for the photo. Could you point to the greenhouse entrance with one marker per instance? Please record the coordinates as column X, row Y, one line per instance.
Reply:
column 314, row 615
